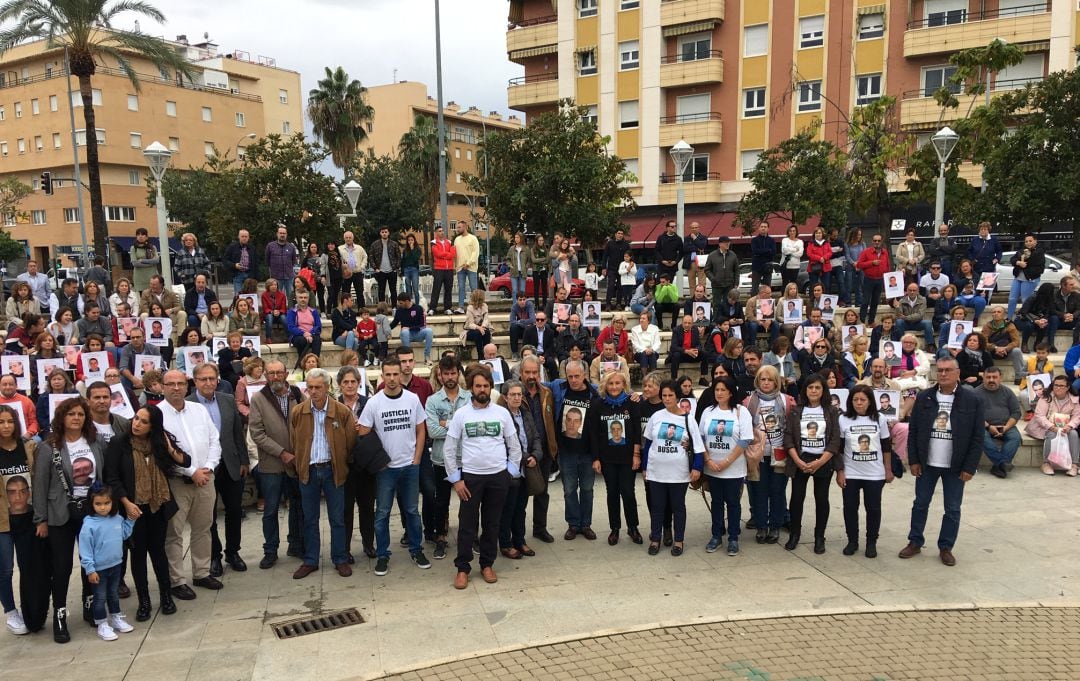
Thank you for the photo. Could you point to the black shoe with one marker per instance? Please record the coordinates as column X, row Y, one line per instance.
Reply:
column 236, row 562
column 751, row 525
column 654, row 549
column 123, row 590
column 267, row 561
column 998, row 471
column 60, row 631
column 142, row 613
column 792, row 541
column 819, row 545
column 773, row 536
column 634, row 535
column 183, row 592
column 760, row 536
column 544, row 536
column 852, row 547
column 350, row 559
column 88, row 610
column 168, row 605
column 216, row 568
column 294, row 553
column 404, row 539
column 369, row 551
column 208, row 583
column 871, row 549
column 668, row 541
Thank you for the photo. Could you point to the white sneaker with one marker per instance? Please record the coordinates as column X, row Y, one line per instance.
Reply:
column 105, row 632
column 15, row 623
column 119, row 623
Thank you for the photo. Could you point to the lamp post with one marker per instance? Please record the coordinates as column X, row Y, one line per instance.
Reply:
column 944, row 142
column 157, row 157
column 352, row 193
column 681, row 154
column 249, row 136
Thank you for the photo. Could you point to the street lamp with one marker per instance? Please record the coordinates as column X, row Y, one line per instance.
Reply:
column 249, row 136
column 944, row 142
column 681, row 154
column 352, row 194
column 157, row 157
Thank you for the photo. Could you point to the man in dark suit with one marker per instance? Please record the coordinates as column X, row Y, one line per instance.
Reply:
column 230, row 473
column 197, row 301
column 542, row 337
column 685, row 346
column 241, row 259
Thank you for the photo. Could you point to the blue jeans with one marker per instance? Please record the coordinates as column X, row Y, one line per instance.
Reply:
column 953, row 495
column 269, row 321
column 976, row 302
column 752, row 329
column 1002, row 451
column 412, row 283
column 517, row 285
column 321, row 483
column 286, row 287
column 726, row 493
column 824, row 278
column 923, row 325
column 348, row 340
column 404, row 483
column 871, row 295
column 464, row 276
column 107, row 592
column 274, row 486
column 638, row 308
column 238, row 281
column 771, row 496
column 854, row 292
column 1020, row 291
column 7, row 571
column 577, row 481
column 410, row 336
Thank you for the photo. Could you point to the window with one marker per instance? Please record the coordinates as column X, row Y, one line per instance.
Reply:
column 457, row 152
column 457, row 178
column 54, row 103
column 241, row 120
column 810, row 96
column 9, row 219
column 697, row 46
column 120, row 213
column 133, row 177
column 748, row 161
column 586, row 63
column 80, row 137
column 3, row 148
column 945, row 12
column 629, row 55
column 286, row 128
column 95, row 98
column 174, row 144
column 586, row 8
column 629, row 4
column 697, row 170
column 37, row 217
column 71, row 215
column 871, row 26
column 468, row 154
column 2, row 114
column 463, row 134
column 283, row 96
column 936, row 77
column 170, row 109
column 39, row 143
column 811, row 32
column 632, row 169
column 1015, row 8
column 21, row 145
column 869, row 89
column 1018, row 75
column 755, row 40
column 35, row 107
column 136, row 140
column 593, row 115
column 207, row 114
column 628, row 114
column 754, row 102
column 18, row 109
column 56, row 140
column 692, row 108
column 133, row 102
column 241, row 152
column 208, row 149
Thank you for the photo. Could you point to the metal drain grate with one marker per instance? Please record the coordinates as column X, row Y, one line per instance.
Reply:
column 319, row 623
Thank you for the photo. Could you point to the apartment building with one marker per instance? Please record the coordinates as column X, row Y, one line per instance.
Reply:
column 396, row 106
column 733, row 78
column 232, row 96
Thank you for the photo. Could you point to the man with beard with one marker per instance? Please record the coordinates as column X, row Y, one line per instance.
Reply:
column 572, row 397
column 441, row 408
column 540, row 402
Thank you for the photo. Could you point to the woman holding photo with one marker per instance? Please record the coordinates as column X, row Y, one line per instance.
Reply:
column 864, row 468
column 812, row 440
column 613, row 426
column 728, row 430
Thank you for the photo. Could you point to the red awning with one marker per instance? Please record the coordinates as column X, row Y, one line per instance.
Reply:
column 645, row 230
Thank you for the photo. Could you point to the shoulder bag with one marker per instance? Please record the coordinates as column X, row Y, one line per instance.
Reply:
column 77, row 507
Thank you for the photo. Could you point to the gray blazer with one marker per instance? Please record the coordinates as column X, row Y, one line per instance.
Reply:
column 234, row 452
column 50, row 501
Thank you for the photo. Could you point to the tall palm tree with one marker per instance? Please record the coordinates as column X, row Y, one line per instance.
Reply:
column 338, row 112
column 419, row 149
column 85, row 29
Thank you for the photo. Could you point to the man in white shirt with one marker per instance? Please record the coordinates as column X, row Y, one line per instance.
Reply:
column 467, row 259
column 194, row 491
column 39, row 284
column 481, row 455
column 933, row 283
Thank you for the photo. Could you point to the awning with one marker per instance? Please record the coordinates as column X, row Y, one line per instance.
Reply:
column 686, row 29
column 871, row 9
column 585, row 48
column 533, row 52
column 124, row 243
column 644, row 230
column 517, row 11
column 1043, row 46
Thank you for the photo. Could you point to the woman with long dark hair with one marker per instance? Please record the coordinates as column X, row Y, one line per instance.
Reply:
column 728, row 429
column 411, row 256
column 66, row 465
column 316, row 262
column 1035, row 317
column 333, row 271
column 812, row 440
column 864, row 467
column 137, row 466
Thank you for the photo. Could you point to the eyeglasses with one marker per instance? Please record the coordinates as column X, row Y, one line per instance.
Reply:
column 820, row 347
column 935, row 267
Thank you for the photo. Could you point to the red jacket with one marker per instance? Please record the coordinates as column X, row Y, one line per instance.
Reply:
column 606, row 333
column 822, row 254
column 866, row 266
column 443, row 253
column 276, row 302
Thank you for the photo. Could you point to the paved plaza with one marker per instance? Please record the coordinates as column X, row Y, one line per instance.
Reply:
column 732, row 616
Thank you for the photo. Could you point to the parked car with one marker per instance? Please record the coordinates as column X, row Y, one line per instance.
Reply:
column 501, row 284
column 1056, row 269
column 777, row 283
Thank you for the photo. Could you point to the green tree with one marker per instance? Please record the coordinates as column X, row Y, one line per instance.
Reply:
column 393, row 196
column 875, row 151
column 558, row 173
column 419, row 149
column 12, row 193
column 801, row 177
column 338, row 112
column 85, row 29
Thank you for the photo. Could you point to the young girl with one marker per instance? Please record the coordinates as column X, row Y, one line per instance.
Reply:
column 866, row 466
column 367, row 341
column 592, row 280
column 382, row 329
column 101, row 552
column 627, row 280
column 16, row 530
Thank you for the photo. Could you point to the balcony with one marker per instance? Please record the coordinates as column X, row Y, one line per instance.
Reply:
column 526, row 91
column 703, row 188
column 961, row 30
column 920, row 111
column 692, row 69
column 675, row 12
column 701, row 128
column 530, row 34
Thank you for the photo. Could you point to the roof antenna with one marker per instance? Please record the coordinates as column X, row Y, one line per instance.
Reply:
column 395, row 76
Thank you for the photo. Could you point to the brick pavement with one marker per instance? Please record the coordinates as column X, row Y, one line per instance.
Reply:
column 987, row 644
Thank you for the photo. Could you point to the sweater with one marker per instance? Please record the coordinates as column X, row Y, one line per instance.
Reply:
column 101, row 541
column 999, row 405
column 610, row 417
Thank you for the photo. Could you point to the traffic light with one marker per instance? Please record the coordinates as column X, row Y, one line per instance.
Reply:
column 46, row 183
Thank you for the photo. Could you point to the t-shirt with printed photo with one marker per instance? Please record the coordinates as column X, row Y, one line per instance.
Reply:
column 863, row 457
column 394, row 420
column 721, row 429
column 14, row 464
column 940, row 455
column 83, row 467
column 769, row 421
column 812, row 431
column 575, row 408
column 671, row 446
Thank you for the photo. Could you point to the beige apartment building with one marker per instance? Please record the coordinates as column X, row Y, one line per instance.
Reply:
column 232, row 96
column 397, row 105
column 734, row 77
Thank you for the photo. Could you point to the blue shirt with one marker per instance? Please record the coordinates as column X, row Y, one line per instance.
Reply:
column 200, row 307
column 212, row 407
column 320, row 448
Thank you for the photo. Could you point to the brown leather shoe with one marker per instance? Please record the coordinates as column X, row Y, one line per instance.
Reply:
column 343, row 569
column 304, row 570
column 489, row 575
column 571, row 532
column 588, row 533
column 910, row 550
column 947, row 558
column 461, row 580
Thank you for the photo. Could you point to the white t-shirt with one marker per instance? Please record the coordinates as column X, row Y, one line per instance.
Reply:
column 941, row 444
column 104, row 431
column 863, row 456
column 812, row 431
column 592, row 280
column 722, row 430
column 83, row 467
column 928, row 281
column 669, row 460
column 394, row 419
column 770, row 423
column 482, row 441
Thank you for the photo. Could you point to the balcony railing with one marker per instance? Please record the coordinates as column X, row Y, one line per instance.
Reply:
column 697, row 55
column 535, row 78
column 961, row 16
column 143, row 78
column 690, row 118
column 996, row 86
column 692, row 177
column 535, row 21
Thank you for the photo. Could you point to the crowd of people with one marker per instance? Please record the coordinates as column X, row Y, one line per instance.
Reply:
column 129, row 457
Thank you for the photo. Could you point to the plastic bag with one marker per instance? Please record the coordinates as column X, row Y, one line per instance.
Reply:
column 1060, row 457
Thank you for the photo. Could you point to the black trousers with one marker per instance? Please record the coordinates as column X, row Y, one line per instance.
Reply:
column 540, row 287
column 676, row 357
column 357, row 283
column 667, row 496
column 389, row 281
column 666, row 308
column 667, row 521
column 484, row 509
column 512, row 523
column 231, row 493
column 441, row 280
column 148, row 539
column 62, row 542
column 440, row 516
column 360, row 494
column 541, row 501
column 320, row 295
column 33, row 557
column 516, row 333
column 871, row 494
column 619, row 478
column 303, row 347
column 821, row 501
column 479, row 339
column 758, row 276
column 613, row 288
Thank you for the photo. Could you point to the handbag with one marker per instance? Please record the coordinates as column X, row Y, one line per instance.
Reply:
column 815, row 268
column 78, row 508
column 535, row 481
column 1060, row 457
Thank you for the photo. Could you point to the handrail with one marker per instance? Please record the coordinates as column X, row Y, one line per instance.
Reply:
column 535, row 21
column 535, row 78
column 690, row 118
column 1024, row 10
column 679, row 57
column 143, row 78
column 694, row 177
column 997, row 86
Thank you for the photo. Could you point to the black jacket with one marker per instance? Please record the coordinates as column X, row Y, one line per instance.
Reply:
column 967, row 428
column 601, row 414
column 694, row 245
column 677, row 339
column 120, row 471
column 531, row 337
column 1036, row 263
column 368, row 456
column 613, row 255
column 668, row 248
column 191, row 299
column 568, row 339
column 231, row 258
column 230, row 372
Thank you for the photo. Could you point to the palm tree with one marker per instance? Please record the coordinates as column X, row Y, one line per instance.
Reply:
column 338, row 112
column 84, row 28
column 419, row 149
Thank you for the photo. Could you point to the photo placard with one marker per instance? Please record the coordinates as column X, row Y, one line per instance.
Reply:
column 121, row 404
column 45, row 367
column 888, row 403
column 591, row 314
column 93, row 365
column 1036, row 384
column 158, row 330
column 252, row 298
column 144, row 363
column 958, row 331
column 194, row 355
column 894, row 284
column 17, row 366
column 850, row 333
column 828, row 303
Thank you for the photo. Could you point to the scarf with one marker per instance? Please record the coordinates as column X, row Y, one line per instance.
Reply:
column 860, row 363
column 617, row 401
column 974, row 355
column 907, row 361
column 781, row 405
column 150, row 484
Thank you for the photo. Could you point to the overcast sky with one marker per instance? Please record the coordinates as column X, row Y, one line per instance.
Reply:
column 369, row 38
